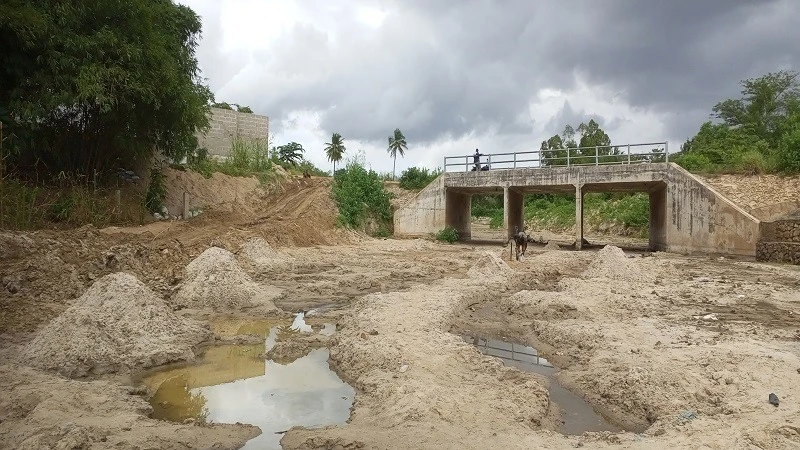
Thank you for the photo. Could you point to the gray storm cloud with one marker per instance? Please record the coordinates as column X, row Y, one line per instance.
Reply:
column 449, row 68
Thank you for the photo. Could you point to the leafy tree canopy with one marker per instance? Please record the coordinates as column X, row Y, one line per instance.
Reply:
column 89, row 85
column 291, row 153
column 759, row 132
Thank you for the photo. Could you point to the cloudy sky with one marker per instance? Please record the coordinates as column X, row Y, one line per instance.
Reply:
column 499, row 75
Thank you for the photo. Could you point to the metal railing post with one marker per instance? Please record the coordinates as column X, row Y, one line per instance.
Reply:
column 567, row 157
column 466, row 164
column 666, row 151
column 445, row 164
column 629, row 153
column 596, row 156
column 515, row 160
column 490, row 162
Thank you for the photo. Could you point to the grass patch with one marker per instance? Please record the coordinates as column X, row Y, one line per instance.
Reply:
column 448, row 234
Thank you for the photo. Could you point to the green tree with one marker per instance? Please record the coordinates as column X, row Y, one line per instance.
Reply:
column 291, row 153
column 766, row 103
column 595, row 142
column 91, row 85
column 335, row 149
column 397, row 144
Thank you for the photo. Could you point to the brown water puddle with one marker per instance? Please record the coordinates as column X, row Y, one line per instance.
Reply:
column 233, row 383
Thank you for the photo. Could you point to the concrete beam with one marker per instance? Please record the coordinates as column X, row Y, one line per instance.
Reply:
column 513, row 217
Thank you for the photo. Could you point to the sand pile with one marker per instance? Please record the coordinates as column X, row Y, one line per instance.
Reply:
column 263, row 256
column 611, row 262
column 215, row 280
column 117, row 324
column 489, row 264
column 552, row 246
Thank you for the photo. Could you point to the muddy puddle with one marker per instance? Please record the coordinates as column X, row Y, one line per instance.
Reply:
column 234, row 383
column 577, row 414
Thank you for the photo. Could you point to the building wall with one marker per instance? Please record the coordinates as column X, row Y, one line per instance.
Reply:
column 226, row 124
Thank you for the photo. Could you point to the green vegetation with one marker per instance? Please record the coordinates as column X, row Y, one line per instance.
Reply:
column 758, row 133
column 397, row 144
column 556, row 212
column 291, row 153
column 448, row 234
column 156, row 191
column 90, row 86
column 362, row 199
column 415, row 178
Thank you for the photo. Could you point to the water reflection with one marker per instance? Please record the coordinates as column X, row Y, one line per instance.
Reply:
column 577, row 414
column 233, row 383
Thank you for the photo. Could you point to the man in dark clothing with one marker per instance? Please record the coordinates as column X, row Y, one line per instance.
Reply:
column 476, row 158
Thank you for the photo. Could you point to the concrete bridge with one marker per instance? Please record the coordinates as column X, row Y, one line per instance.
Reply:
column 686, row 214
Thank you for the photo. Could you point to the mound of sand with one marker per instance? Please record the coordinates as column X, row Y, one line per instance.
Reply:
column 117, row 324
column 552, row 246
column 263, row 256
column 489, row 264
column 611, row 262
column 215, row 280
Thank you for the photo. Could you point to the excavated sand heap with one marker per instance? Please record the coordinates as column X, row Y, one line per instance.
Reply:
column 117, row 324
column 611, row 262
column 263, row 256
column 215, row 280
column 489, row 264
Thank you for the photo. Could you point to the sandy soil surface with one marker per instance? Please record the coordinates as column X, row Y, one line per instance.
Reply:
column 683, row 352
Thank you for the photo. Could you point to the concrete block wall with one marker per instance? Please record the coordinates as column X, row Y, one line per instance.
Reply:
column 226, row 124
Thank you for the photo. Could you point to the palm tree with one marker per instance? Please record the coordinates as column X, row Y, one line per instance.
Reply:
column 397, row 144
column 335, row 149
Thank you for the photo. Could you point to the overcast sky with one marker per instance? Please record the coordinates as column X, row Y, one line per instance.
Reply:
column 502, row 75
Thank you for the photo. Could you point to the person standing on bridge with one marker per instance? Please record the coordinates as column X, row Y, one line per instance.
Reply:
column 476, row 158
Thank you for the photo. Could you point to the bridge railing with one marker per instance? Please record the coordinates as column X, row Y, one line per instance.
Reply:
column 580, row 156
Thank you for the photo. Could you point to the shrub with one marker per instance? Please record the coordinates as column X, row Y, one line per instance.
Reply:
column 788, row 159
column 694, row 162
column 156, row 191
column 415, row 178
column 361, row 198
column 448, row 234
column 751, row 163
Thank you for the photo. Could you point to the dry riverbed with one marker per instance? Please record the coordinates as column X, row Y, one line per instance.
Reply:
column 678, row 352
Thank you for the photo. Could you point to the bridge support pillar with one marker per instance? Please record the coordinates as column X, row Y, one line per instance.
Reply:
column 457, row 213
column 579, row 216
column 658, row 219
column 512, row 211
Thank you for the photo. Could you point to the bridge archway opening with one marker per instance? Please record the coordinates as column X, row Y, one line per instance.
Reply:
column 492, row 214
